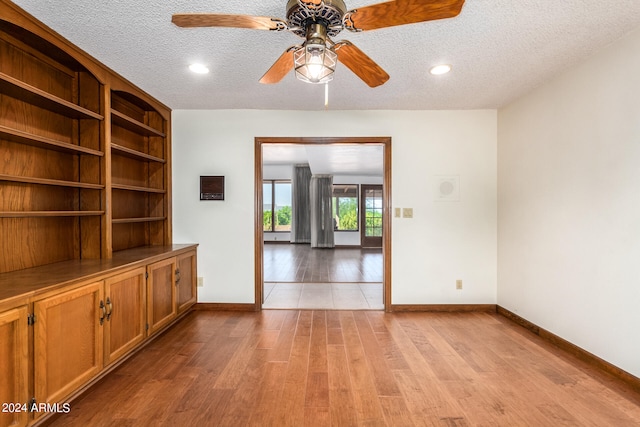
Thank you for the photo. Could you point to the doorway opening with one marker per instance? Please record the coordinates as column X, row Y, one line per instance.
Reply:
column 381, row 222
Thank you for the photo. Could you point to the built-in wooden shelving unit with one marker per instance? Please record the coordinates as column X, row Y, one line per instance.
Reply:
column 85, row 219
column 86, row 158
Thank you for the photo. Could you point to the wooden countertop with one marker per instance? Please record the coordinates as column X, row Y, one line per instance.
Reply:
column 32, row 281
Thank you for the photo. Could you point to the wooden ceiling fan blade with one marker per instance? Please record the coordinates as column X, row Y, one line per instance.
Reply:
column 193, row 20
column 400, row 12
column 361, row 65
column 280, row 68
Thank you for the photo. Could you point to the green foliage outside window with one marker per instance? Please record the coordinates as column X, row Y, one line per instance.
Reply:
column 347, row 213
column 266, row 220
column 283, row 217
column 276, row 214
column 373, row 221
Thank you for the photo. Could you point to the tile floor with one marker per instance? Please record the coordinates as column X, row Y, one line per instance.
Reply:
column 327, row 296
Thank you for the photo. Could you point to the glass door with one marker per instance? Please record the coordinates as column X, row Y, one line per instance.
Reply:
column 371, row 216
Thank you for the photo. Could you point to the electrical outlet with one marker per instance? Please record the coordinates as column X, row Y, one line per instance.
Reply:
column 397, row 213
column 407, row 212
column 200, row 282
column 458, row 284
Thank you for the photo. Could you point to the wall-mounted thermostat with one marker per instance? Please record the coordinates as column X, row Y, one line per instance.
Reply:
column 212, row 188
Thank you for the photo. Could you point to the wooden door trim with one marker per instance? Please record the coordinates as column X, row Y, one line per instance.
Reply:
column 386, row 195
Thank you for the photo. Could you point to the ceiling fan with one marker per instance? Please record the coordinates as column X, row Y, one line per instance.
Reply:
column 315, row 60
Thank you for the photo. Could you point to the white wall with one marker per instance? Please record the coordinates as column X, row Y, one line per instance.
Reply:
column 569, row 205
column 277, row 171
column 444, row 241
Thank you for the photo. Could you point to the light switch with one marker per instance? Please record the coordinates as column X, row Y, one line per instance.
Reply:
column 407, row 212
column 397, row 213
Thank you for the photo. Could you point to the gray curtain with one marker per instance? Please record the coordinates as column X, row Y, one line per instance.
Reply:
column 321, row 212
column 300, row 209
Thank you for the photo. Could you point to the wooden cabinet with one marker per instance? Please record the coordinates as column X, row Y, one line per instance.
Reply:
column 86, row 316
column 68, row 336
column 14, row 369
column 85, row 208
column 161, row 294
column 171, row 289
column 186, row 281
column 125, row 320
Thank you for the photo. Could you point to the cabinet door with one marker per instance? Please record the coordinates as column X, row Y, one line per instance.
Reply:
column 186, row 281
column 67, row 341
column 161, row 294
column 14, row 370
column 124, row 325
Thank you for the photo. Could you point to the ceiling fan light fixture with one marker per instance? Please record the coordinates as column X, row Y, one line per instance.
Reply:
column 437, row 70
column 199, row 68
column 315, row 63
column 317, row 21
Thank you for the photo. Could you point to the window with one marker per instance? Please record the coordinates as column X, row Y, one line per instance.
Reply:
column 345, row 207
column 373, row 212
column 276, row 207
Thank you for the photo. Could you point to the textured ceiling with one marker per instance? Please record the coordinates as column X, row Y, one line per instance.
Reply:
column 499, row 49
column 341, row 159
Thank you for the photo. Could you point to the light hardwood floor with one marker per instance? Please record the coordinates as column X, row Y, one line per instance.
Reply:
column 353, row 368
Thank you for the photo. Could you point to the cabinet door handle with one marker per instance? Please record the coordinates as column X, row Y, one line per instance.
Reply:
column 110, row 307
column 103, row 312
column 177, row 277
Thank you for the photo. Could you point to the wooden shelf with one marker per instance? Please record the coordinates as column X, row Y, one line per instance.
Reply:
column 20, row 90
column 135, row 154
column 139, row 170
column 15, row 135
column 127, row 122
column 141, row 219
column 42, row 214
column 136, row 188
column 56, row 182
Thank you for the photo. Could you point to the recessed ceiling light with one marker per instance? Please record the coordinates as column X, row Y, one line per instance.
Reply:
column 440, row 69
column 199, row 68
